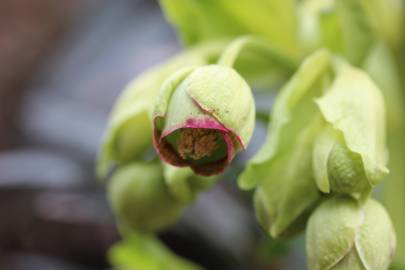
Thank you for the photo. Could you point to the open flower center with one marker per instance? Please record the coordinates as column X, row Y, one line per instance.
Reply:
column 197, row 143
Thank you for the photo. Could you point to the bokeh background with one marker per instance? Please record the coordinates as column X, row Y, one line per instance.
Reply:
column 62, row 65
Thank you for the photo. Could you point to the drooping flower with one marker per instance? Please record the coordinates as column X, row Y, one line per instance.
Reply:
column 327, row 134
column 128, row 135
column 202, row 118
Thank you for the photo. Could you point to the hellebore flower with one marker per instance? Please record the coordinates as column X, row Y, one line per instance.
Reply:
column 128, row 135
column 202, row 118
column 346, row 235
column 327, row 134
column 282, row 170
column 141, row 199
column 350, row 153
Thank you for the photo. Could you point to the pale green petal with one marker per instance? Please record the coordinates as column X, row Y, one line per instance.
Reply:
column 129, row 132
column 287, row 189
column 282, row 169
column 375, row 240
column 225, row 95
column 292, row 111
column 331, row 232
column 346, row 172
column 322, row 148
column 347, row 235
column 351, row 261
column 199, row 21
column 163, row 101
column 355, row 107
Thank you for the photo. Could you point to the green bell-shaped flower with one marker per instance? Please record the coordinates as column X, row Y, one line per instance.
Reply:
column 141, row 199
column 202, row 118
column 327, row 134
column 343, row 234
column 128, row 135
column 282, row 170
column 350, row 154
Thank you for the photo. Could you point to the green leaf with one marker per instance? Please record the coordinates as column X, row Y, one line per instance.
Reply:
column 356, row 29
column 145, row 252
column 197, row 21
column 322, row 149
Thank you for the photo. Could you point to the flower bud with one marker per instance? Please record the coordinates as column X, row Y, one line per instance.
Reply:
column 140, row 198
column 128, row 135
column 202, row 118
column 344, row 234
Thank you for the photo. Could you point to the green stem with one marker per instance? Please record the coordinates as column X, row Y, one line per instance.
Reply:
column 236, row 47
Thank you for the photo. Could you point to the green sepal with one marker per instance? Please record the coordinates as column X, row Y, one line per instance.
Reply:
column 346, row 235
column 354, row 106
column 199, row 21
column 290, row 114
column 168, row 88
column 287, row 192
column 129, row 132
column 225, row 95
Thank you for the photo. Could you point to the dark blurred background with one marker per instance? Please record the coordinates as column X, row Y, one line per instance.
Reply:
column 62, row 65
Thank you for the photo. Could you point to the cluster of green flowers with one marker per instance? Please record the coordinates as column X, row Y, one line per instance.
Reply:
column 326, row 145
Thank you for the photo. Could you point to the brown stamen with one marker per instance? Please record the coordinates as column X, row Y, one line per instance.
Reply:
column 196, row 143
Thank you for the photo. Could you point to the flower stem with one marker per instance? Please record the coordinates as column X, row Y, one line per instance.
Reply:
column 235, row 48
